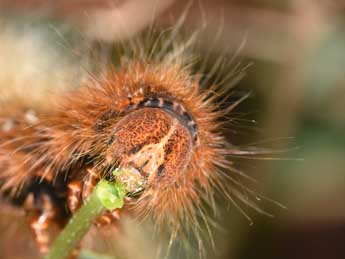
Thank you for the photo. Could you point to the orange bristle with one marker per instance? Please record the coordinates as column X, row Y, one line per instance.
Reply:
column 149, row 116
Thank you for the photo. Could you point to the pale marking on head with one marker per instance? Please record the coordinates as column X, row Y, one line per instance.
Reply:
column 153, row 153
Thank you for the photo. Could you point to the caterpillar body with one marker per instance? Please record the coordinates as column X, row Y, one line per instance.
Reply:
column 150, row 117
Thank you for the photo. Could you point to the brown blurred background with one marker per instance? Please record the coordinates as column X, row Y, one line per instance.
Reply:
column 298, row 83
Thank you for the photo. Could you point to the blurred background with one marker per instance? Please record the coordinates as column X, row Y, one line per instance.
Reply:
column 297, row 54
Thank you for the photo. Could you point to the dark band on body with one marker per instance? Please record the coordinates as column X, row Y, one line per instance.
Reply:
column 173, row 107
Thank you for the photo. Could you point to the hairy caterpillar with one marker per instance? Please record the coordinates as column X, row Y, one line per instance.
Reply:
column 149, row 116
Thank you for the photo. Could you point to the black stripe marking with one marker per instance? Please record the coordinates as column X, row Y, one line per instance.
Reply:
column 168, row 105
column 111, row 140
column 160, row 170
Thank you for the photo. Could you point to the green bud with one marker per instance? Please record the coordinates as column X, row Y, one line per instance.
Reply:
column 110, row 194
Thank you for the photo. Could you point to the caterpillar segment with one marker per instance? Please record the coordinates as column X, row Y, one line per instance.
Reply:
column 152, row 121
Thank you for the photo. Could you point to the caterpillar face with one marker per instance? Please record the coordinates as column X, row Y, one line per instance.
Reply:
column 155, row 139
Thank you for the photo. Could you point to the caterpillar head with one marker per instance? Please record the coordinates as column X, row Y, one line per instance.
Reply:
column 166, row 138
column 152, row 143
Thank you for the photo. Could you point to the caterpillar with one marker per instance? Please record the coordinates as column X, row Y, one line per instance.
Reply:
column 149, row 116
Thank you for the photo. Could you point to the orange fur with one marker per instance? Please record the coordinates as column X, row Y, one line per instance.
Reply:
column 65, row 137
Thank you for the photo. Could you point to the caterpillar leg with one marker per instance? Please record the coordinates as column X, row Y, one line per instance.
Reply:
column 41, row 217
column 90, row 182
column 74, row 195
column 79, row 191
column 74, row 200
column 108, row 217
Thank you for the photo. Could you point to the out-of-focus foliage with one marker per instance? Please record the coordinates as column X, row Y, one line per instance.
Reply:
column 298, row 82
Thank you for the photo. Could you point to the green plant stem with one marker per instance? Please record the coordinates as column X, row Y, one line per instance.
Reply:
column 78, row 226
column 86, row 254
column 80, row 223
